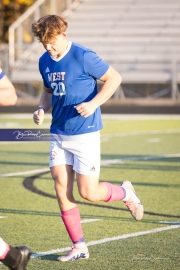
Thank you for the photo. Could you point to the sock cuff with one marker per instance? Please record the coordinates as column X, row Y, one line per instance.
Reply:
column 108, row 185
column 80, row 245
column 73, row 211
column 127, row 192
column 115, row 193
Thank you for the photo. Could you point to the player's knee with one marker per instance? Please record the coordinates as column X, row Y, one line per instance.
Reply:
column 88, row 195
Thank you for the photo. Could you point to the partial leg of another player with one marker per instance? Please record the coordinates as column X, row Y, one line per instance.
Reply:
column 16, row 258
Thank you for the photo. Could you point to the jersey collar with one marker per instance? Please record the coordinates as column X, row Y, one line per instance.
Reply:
column 66, row 51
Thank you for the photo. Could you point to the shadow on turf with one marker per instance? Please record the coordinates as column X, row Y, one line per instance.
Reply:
column 119, row 218
column 49, row 257
column 40, row 213
column 30, row 163
column 29, row 184
column 34, row 153
column 28, row 212
column 150, row 184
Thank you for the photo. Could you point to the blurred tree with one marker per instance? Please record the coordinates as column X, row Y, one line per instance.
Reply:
column 10, row 10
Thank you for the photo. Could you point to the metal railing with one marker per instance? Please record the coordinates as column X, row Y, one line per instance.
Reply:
column 4, row 58
column 20, row 37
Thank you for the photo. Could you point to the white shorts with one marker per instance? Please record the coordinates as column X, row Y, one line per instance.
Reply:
column 80, row 151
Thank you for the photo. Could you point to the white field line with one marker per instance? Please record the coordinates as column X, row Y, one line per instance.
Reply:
column 140, row 117
column 135, row 133
column 10, row 125
column 22, row 116
column 169, row 222
column 103, row 163
column 105, row 240
column 104, row 116
column 123, row 160
column 15, row 142
column 88, row 220
column 153, row 140
column 82, row 221
column 24, row 173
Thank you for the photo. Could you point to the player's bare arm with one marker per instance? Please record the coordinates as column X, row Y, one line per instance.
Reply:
column 8, row 95
column 44, row 106
column 112, row 80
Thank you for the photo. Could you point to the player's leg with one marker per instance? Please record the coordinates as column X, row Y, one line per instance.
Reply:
column 16, row 258
column 87, row 166
column 61, row 162
column 63, row 176
column 92, row 190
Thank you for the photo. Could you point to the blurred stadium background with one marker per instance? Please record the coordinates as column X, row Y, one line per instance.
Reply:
column 140, row 38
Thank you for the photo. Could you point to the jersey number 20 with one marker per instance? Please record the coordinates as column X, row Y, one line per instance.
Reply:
column 59, row 89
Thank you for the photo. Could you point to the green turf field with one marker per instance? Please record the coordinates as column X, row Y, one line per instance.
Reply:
column 144, row 151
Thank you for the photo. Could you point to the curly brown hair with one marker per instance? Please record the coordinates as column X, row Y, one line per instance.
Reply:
column 48, row 27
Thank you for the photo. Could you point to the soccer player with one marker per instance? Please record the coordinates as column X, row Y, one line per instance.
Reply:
column 69, row 73
column 8, row 95
column 16, row 258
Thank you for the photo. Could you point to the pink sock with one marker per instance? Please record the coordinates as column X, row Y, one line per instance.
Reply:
column 115, row 193
column 72, row 222
column 4, row 249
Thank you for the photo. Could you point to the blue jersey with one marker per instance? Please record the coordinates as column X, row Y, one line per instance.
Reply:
column 72, row 80
column 1, row 74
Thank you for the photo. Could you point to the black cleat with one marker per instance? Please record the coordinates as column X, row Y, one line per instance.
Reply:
column 26, row 253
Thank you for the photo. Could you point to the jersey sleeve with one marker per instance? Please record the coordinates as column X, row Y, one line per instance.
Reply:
column 1, row 74
column 94, row 65
column 40, row 70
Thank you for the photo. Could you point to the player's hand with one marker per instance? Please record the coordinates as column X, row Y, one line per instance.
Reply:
column 38, row 116
column 85, row 109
